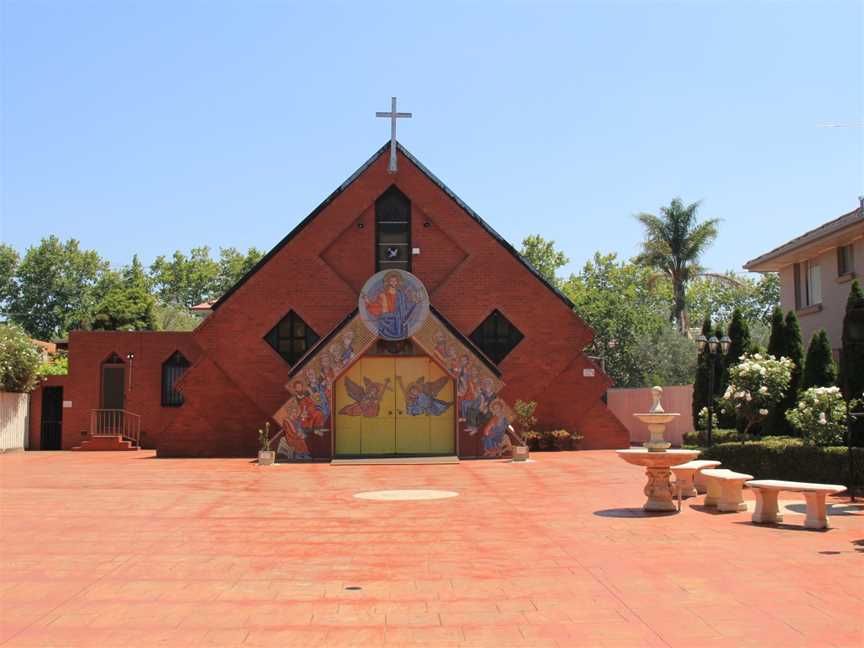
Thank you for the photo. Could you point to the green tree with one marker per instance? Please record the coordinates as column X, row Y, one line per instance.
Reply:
column 55, row 287
column 543, row 255
column 852, row 362
column 665, row 357
column 19, row 360
column 128, row 304
column 778, row 332
column 701, row 394
column 754, row 298
column 186, row 281
column 852, row 355
column 8, row 265
column 739, row 333
column 170, row 317
column 233, row 265
column 819, row 369
column 615, row 300
column 673, row 244
column 793, row 348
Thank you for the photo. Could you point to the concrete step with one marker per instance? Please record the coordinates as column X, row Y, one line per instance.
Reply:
column 106, row 443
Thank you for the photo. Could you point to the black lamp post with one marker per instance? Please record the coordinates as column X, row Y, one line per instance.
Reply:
column 710, row 346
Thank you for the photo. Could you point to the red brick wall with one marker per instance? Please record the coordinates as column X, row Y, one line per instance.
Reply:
column 87, row 351
column 318, row 274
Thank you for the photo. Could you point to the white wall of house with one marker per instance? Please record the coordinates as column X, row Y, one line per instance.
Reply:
column 835, row 291
column 14, row 413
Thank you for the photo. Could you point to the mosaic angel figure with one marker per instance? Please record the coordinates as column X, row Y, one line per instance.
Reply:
column 367, row 398
column 421, row 396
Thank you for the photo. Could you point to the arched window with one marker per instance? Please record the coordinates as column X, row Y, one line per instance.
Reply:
column 172, row 369
column 392, row 231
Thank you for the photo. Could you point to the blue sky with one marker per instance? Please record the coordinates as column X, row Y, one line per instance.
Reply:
column 150, row 126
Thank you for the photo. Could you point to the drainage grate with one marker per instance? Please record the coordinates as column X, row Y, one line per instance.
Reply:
column 353, row 588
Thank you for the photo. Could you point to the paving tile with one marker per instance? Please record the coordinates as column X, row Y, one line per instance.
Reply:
column 109, row 550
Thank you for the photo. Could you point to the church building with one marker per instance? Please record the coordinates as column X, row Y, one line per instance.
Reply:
column 393, row 320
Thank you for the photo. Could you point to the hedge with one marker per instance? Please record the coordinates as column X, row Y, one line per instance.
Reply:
column 699, row 438
column 789, row 459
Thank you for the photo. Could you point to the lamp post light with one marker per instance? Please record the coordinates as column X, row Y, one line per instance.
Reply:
column 711, row 346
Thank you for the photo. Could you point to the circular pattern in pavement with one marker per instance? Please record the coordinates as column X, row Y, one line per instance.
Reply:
column 405, row 495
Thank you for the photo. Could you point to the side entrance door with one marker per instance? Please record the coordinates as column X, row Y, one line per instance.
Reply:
column 52, row 419
column 394, row 406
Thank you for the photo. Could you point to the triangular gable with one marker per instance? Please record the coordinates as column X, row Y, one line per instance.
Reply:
column 434, row 179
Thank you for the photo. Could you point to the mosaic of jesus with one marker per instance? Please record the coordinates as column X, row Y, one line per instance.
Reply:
column 394, row 304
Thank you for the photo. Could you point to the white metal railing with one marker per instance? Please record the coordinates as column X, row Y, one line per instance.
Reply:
column 115, row 422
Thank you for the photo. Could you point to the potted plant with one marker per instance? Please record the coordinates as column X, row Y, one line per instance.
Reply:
column 532, row 439
column 547, row 441
column 576, row 441
column 561, row 439
column 524, row 420
column 266, row 456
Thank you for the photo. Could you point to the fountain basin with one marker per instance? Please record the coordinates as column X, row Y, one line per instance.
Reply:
column 658, row 490
column 656, row 422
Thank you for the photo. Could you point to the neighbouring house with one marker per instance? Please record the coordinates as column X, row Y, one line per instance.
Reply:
column 816, row 270
column 392, row 320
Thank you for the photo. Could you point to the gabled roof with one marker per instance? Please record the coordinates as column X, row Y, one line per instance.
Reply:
column 385, row 148
column 773, row 260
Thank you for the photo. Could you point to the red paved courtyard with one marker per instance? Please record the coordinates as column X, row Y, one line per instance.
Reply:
column 116, row 549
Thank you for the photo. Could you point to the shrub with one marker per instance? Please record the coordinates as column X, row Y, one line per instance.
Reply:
column 790, row 459
column 756, row 384
column 699, row 438
column 56, row 365
column 820, row 416
column 819, row 369
column 19, row 360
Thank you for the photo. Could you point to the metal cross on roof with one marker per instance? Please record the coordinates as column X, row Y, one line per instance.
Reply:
column 393, row 115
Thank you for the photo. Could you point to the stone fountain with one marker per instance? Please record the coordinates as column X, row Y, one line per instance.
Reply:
column 656, row 456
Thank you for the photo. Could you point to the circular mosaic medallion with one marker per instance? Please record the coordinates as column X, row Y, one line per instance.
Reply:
column 393, row 304
column 405, row 495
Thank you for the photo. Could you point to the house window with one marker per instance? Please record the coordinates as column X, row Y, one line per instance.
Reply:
column 291, row 337
column 392, row 231
column 496, row 336
column 814, row 284
column 172, row 369
column 845, row 260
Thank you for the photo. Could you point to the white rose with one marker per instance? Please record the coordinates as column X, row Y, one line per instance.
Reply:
column 763, row 389
column 763, row 412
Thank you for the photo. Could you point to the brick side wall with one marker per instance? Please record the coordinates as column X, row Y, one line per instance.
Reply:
column 87, row 351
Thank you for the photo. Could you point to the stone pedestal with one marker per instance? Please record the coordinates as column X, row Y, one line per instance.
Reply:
column 657, row 465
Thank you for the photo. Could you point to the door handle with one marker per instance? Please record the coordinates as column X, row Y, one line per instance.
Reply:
column 389, row 412
column 398, row 411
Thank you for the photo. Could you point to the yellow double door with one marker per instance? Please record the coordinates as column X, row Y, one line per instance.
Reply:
column 392, row 406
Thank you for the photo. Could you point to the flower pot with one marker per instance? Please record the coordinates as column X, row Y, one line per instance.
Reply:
column 520, row 453
column 563, row 444
column 266, row 457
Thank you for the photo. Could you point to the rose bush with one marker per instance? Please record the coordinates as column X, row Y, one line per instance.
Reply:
column 820, row 416
column 756, row 384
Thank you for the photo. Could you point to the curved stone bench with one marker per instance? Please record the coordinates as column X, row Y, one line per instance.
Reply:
column 767, row 490
column 688, row 476
column 725, row 489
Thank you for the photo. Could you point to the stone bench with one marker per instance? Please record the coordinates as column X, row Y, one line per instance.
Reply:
column 688, row 478
column 767, row 490
column 725, row 489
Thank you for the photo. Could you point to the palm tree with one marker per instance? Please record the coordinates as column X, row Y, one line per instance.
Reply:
column 673, row 243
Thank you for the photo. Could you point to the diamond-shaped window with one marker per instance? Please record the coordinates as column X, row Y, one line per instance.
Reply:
column 496, row 336
column 291, row 337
